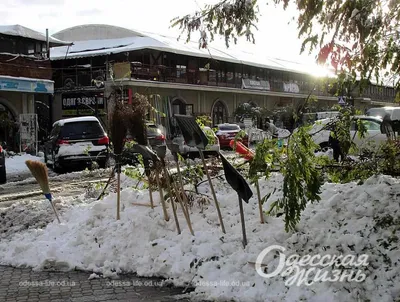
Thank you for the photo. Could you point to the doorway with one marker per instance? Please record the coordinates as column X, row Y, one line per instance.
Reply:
column 219, row 113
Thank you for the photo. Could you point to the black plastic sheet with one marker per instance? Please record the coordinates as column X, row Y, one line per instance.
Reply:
column 191, row 131
column 236, row 181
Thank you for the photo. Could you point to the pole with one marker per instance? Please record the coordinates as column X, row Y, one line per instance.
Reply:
column 54, row 209
column 212, row 191
column 118, row 189
column 170, row 197
column 242, row 221
column 259, row 202
column 186, row 199
column 160, row 190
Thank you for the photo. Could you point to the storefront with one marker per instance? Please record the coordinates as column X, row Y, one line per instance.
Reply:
column 19, row 123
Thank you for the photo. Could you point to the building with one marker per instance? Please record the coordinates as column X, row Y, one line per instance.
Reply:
column 26, row 86
column 179, row 77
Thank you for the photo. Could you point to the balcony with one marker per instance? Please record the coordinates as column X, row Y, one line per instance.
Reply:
column 85, row 76
column 19, row 66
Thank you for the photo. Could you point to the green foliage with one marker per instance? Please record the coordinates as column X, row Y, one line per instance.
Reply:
column 302, row 178
column 359, row 38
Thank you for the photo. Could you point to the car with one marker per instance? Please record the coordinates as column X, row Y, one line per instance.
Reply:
column 213, row 147
column 78, row 142
column 3, row 174
column 374, row 133
column 227, row 132
column 155, row 137
column 394, row 112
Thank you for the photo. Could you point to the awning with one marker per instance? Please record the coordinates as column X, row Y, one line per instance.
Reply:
column 29, row 85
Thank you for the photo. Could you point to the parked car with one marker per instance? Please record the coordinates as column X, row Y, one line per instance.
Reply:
column 78, row 141
column 380, row 112
column 373, row 135
column 227, row 132
column 3, row 174
column 213, row 147
column 155, row 137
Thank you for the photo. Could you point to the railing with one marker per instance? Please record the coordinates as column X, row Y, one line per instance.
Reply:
column 73, row 77
column 18, row 66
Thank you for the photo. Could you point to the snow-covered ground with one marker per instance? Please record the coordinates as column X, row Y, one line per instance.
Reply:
column 350, row 219
column 16, row 163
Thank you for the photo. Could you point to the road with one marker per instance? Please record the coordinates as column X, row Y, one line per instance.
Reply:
column 22, row 206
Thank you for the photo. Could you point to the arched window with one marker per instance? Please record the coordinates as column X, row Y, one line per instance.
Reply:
column 178, row 107
column 219, row 113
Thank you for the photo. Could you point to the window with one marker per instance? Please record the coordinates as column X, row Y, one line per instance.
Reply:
column 371, row 125
column 31, row 48
column 81, row 130
column 228, row 127
column 180, row 71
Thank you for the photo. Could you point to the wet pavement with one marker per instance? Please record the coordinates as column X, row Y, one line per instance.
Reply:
column 24, row 284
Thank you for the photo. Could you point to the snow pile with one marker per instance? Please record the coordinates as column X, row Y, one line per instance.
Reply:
column 16, row 163
column 349, row 220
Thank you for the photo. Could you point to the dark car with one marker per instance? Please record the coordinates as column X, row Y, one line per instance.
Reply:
column 3, row 175
column 155, row 138
column 228, row 132
column 76, row 142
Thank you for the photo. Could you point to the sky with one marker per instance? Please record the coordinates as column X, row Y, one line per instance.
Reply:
column 275, row 37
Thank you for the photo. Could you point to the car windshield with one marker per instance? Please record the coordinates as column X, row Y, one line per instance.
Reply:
column 79, row 130
column 379, row 112
column 228, row 127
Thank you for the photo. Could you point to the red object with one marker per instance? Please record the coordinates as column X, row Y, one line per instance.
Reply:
column 62, row 142
column 129, row 96
column 104, row 141
column 225, row 139
column 242, row 150
column 160, row 137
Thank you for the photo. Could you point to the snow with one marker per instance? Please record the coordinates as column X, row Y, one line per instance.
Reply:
column 27, row 79
column 79, row 149
column 16, row 163
column 76, row 119
column 91, row 239
column 159, row 42
column 21, row 31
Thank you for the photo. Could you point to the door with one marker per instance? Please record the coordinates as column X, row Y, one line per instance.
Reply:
column 373, row 136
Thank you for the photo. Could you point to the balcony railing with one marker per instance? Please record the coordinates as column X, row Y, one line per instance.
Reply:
column 19, row 66
column 86, row 76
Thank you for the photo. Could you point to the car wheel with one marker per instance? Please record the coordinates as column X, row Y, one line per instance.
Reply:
column 3, row 175
column 56, row 166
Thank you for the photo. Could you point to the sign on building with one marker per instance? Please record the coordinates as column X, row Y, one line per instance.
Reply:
column 26, row 85
column 28, row 133
column 253, row 84
column 291, row 87
column 75, row 104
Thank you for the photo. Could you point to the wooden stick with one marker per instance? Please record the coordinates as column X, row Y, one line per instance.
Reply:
column 242, row 221
column 183, row 209
column 259, row 202
column 213, row 192
column 178, row 228
column 160, row 190
column 150, row 192
column 118, row 194
column 186, row 199
column 55, row 211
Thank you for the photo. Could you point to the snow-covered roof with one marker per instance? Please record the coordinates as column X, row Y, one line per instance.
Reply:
column 158, row 42
column 21, row 31
column 76, row 119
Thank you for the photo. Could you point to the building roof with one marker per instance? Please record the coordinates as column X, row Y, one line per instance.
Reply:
column 152, row 41
column 21, row 31
column 94, row 32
